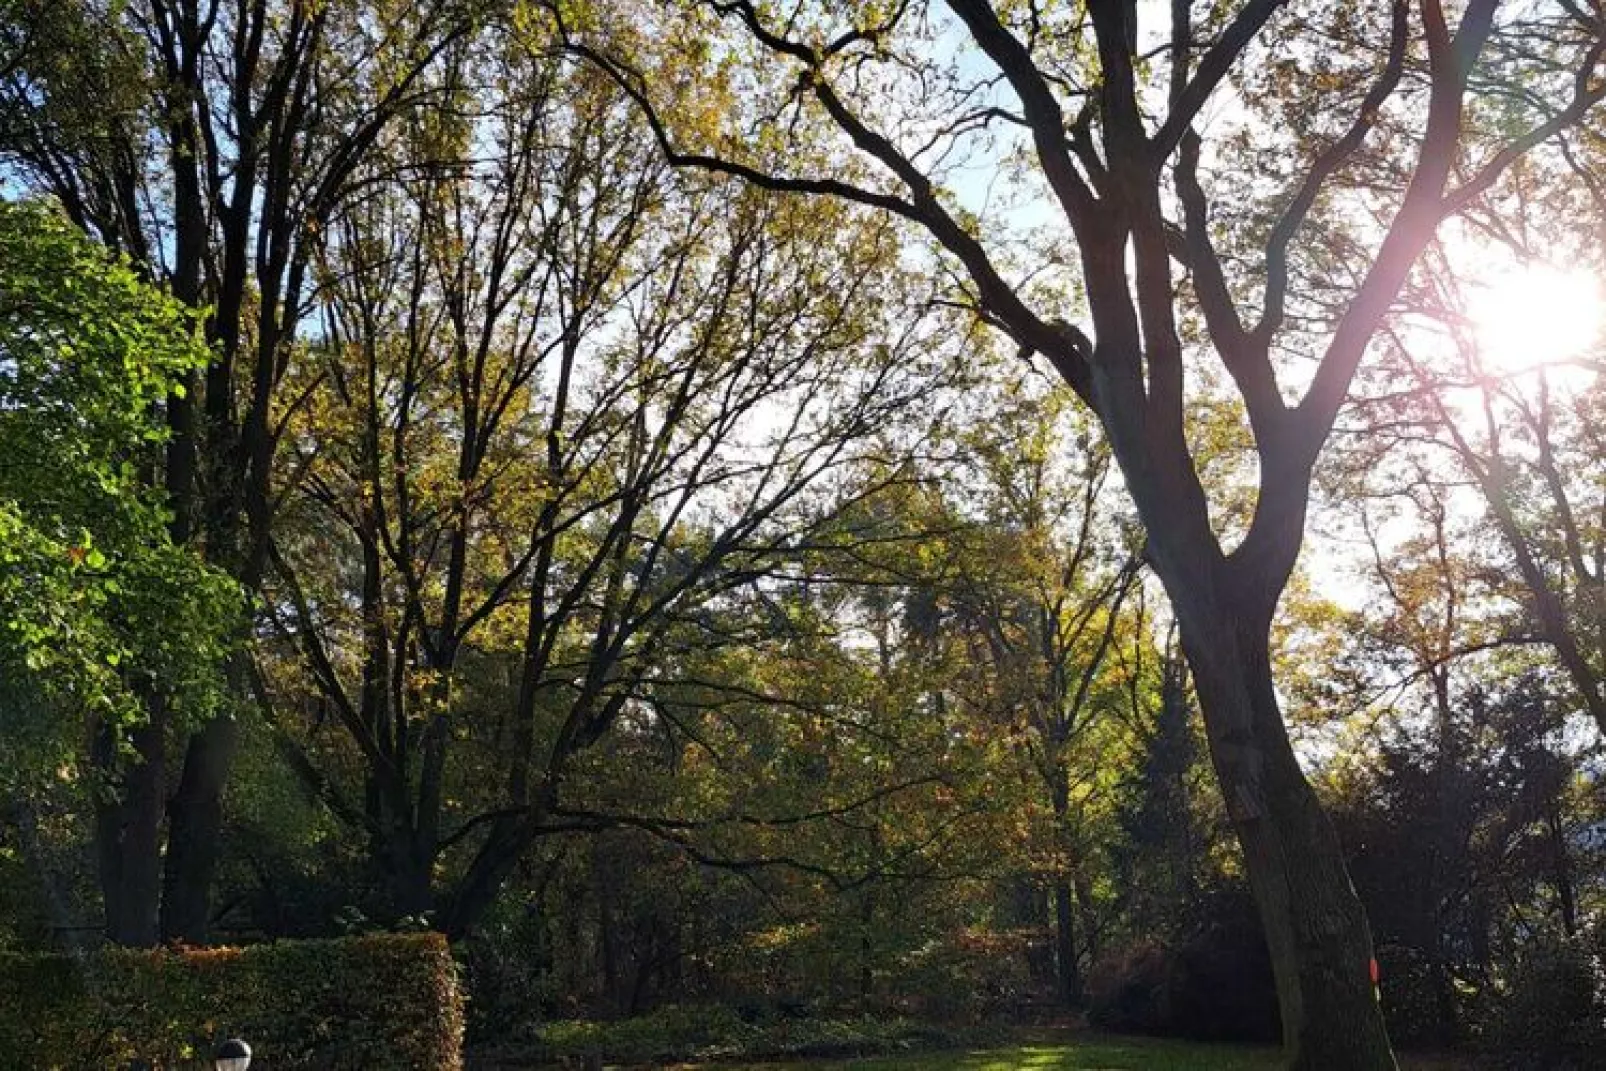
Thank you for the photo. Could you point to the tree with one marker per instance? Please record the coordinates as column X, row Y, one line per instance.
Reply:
column 1162, row 860
column 105, row 618
column 212, row 143
column 1039, row 594
column 1465, row 847
column 1461, row 770
column 570, row 418
column 1526, row 439
column 850, row 103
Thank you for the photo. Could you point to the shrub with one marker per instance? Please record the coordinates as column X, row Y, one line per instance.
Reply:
column 1416, row 1006
column 1552, row 1012
column 714, row 1032
column 967, row 976
column 1129, row 991
column 1214, row 986
column 388, row 1000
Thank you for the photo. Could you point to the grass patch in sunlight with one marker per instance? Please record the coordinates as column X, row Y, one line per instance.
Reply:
column 1089, row 1054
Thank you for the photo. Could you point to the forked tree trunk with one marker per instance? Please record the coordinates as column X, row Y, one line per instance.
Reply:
column 1316, row 929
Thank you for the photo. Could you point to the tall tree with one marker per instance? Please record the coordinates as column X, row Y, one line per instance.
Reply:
column 1041, row 592
column 105, row 618
column 212, row 142
column 570, row 411
column 858, row 103
column 1525, row 436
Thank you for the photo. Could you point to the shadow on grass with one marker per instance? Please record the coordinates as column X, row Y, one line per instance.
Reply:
column 1090, row 1054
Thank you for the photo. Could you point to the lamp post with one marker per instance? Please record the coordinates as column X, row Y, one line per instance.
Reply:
column 232, row 1055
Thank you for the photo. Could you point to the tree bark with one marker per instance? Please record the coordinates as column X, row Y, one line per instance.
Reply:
column 1561, row 874
column 866, row 950
column 128, row 833
column 410, row 874
column 602, row 887
column 1316, row 929
column 195, row 823
column 462, row 909
column 1068, row 974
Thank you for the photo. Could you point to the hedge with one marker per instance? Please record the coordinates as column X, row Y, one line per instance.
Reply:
column 388, row 1000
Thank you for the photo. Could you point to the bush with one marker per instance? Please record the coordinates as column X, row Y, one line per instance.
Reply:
column 1129, row 991
column 386, row 1000
column 1552, row 1012
column 1214, row 986
column 715, row 1032
column 1418, row 1013
column 969, row 976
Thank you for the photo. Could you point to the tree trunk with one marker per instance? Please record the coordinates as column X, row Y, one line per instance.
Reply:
column 1316, row 930
column 473, row 893
column 1087, row 910
column 1070, row 977
column 866, row 950
column 1447, row 1030
column 602, row 887
column 410, row 878
column 1562, row 872
column 195, row 822
column 128, row 833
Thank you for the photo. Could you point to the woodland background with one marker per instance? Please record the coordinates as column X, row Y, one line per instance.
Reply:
column 424, row 506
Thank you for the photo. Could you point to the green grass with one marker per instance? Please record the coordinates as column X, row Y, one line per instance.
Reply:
column 1088, row 1054
column 1063, row 1052
column 986, row 1049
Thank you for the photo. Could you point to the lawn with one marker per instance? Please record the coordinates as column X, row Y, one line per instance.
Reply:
column 1030, row 1049
column 1062, row 1053
column 1054, row 1054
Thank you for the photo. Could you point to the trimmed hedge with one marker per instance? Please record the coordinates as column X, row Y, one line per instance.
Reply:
column 388, row 1000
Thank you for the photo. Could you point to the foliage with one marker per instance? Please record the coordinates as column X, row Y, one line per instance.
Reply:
column 1174, row 254
column 1468, row 835
column 672, row 583
column 300, row 1004
column 707, row 1032
column 1551, row 1013
column 101, row 610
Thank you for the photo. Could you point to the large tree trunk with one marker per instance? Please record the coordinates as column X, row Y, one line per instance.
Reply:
column 128, row 832
column 195, row 823
column 410, row 873
column 473, row 894
column 1321, row 946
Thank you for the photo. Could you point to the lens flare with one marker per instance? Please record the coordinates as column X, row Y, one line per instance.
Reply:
column 1535, row 314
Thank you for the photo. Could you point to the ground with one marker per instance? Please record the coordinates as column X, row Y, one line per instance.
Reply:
column 1073, row 1053
column 1040, row 1049
column 1082, row 1054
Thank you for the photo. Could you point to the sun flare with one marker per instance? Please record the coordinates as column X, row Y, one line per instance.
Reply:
column 1535, row 314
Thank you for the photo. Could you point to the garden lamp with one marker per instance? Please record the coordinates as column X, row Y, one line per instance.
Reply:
column 232, row 1055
